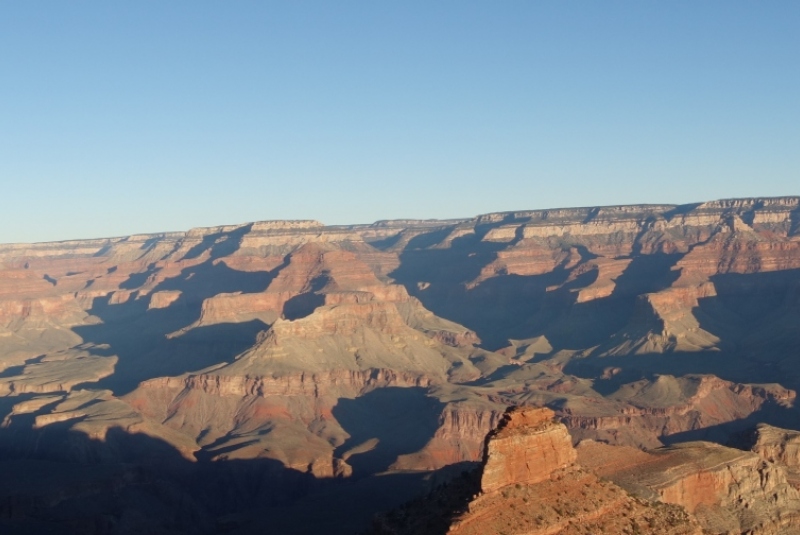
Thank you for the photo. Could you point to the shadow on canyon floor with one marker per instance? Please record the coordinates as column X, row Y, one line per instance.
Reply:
column 755, row 319
column 385, row 424
column 755, row 314
column 525, row 306
column 138, row 334
column 304, row 304
column 730, row 433
column 434, row 513
column 57, row 480
column 127, row 483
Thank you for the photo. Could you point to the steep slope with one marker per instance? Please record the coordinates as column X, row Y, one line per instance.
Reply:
column 529, row 484
column 727, row 490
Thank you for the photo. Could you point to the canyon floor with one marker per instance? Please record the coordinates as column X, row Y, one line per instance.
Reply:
column 290, row 377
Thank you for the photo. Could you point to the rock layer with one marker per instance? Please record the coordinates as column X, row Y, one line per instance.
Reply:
column 728, row 490
column 528, row 483
column 280, row 341
column 526, row 447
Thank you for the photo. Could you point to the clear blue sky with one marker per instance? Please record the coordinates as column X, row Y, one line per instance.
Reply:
column 127, row 117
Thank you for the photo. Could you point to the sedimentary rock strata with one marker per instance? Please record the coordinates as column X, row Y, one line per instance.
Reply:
column 529, row 483
column 525, row 448
column 279, row 341
column 727, row 490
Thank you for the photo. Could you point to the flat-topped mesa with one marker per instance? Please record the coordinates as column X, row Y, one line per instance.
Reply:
column 610, row 213
column 752, row 202
column 527, row 447
column 260, row 226
column 405, row 223
column 576, row 215
column 201, row 232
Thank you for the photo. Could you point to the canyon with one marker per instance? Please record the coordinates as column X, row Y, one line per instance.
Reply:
column 533, row 481
column 292, row 377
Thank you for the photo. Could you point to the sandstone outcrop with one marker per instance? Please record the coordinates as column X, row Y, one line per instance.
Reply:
column 777, row 445
column 728, row 490
column 696, row 487
column 526, row 447
column 528, row 483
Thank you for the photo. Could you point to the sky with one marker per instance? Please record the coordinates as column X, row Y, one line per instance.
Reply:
column 133, row 117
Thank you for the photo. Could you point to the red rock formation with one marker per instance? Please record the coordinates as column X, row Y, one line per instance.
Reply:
column 728, row 490
column 723, row 490
column 529, row 484
column 527, row 446
column 777, row 445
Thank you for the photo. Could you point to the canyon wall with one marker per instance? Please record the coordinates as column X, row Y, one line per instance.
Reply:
column 309, row 346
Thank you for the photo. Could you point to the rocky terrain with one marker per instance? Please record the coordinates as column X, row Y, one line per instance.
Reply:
column 326, row 373
column 533, row 481
column 529, row 483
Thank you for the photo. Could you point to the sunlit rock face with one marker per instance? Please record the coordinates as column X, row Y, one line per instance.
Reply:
column 532, row 480
column 727, row 490
column 529, row 482
column 526, row 448
column 341, row 353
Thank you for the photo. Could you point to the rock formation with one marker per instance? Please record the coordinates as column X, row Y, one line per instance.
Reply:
column 775, row 445
column 727, row 490
column 293, row 343
column 529, row 483
column 525, row 448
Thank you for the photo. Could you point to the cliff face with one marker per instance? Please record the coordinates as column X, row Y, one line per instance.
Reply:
column 775, row 445
column 529, row 483
column 525, row 448
column 666, row 406
column 637, row 325
column 727, row 490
